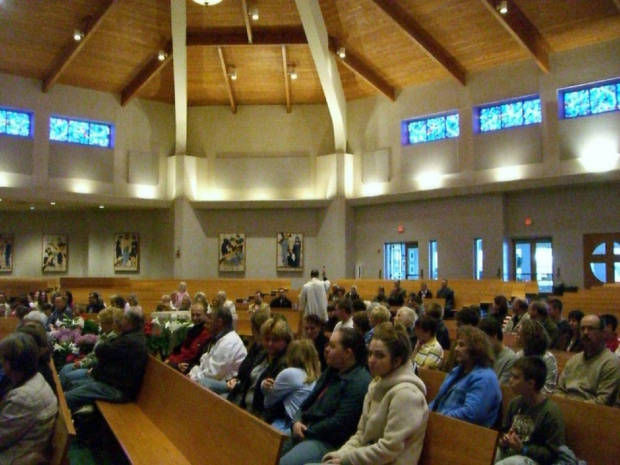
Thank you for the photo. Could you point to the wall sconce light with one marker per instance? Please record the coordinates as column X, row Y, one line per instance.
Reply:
column 291, row 72
column 502, row 7
column 161, row 56
column 342, row 53
column 207, row 2
column 78, row 35
column 253, row 13
column 232, row 73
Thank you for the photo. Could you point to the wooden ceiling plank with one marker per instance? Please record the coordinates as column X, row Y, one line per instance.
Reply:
column 246, row 19
column 231, row 95
column 73, row 48
column 523, row 31
column 423, row 39
column 357, row 65
column 231, row 37
column 152, row 68
column 287, row 87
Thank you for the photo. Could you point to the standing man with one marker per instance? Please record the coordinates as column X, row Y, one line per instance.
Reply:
column 445, row 292
column 313, row 297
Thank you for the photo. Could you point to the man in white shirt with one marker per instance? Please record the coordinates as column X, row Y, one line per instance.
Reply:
column 344, row 311
column 226, row 352
column 313, row 297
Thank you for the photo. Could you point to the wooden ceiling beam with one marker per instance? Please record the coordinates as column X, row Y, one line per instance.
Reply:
column 231, row 95
column 357, row 65
column 73, row 48
column 523, row 31
column 238, row 36
column 246, row 19
column 617, row 3
column 152, row 68
column 287, row 87
column 423, row 39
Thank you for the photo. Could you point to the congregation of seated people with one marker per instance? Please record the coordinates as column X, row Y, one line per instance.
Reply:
column 347, row 389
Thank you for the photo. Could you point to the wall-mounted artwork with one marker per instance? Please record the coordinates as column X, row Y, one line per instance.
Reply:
column 290, row 252
column 126, row 252
column 232, row 252
column 55, row 253
column 6, row 253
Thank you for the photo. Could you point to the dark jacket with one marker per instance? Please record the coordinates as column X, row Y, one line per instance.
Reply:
column 332, row 410
column 281, row 302
column 121, row 362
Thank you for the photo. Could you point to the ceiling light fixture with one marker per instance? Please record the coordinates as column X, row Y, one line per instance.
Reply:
column 162, row 55
column 253, row 13
column 207, row 2
column 32, row 208
column 502, row 7
column 101, row 207
column 52, row 203
column 292, row 72
column 232, row 73
column 78, row 35
column 342, row 53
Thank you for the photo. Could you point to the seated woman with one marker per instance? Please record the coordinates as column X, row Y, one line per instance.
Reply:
column 393, row 422
column 285, row 394
column 534, row 341
column 246, row 391
column 571, row 341
column 37, row 330
column 28, row 411
column 470, row 391
column 109, row 320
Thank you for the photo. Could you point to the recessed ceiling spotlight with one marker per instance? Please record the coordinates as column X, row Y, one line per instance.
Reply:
column 101, row 207
column 32, row 208
column 161, row 56
column 52, row 203
column 292, row 72
column 342, row 53
column 207, row 2
column 502, row 7
column 78, row 35
column 232, row 73
column 254, row 13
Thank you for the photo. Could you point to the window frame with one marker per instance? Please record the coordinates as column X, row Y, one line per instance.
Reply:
column 404, row 127
column 70, row 119
column 476, row 110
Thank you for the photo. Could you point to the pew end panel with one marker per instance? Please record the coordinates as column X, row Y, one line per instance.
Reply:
column 64, row 431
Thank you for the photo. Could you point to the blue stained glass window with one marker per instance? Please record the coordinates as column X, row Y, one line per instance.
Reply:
column 590, row 99
column 15, row 123
column 81, row 132
column 430, row 129
column 509, row 114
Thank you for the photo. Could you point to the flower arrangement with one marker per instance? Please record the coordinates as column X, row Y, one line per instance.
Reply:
column 163, row 335
column 73, row 340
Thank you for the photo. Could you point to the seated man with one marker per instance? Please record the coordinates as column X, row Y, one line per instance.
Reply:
column 445, row 292
column 224, row 354
column 61, row 312
column 28, row 411
column 281, row 301
column 95, row 304
column 518, row 307
column 117, row 375
column 259, row 303
column 555, row 313
column 353, row 294
column 594, row 374
column 471, row 391
column 424, row 292
column 397, row 295
column 534, row 425
column 329, row 416
column 186, row 355
column 504, row 356
column 538, row 311
column 344, row 311
column 428, row 352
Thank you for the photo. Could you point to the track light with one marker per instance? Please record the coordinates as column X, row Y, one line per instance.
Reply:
column 78, row 35
column 207, row 2
column 342, row 53
column 502, row 7
column 292, row 72
column 162, row 55
column 253, row 13
column 232, row 73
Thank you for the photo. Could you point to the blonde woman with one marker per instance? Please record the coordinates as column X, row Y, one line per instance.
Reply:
column 285, row 394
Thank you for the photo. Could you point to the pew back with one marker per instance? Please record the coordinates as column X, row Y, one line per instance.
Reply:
column 7, row 325
column 64, row 432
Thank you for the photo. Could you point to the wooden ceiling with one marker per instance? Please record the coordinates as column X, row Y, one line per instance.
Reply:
column 390, row 44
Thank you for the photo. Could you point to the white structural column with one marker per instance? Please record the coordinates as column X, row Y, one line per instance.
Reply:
column 179, row 52
column 316, row 33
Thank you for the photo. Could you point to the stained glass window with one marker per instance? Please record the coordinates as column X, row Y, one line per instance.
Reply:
column 508, row 114
column 81, row 132
column 590, row 99
column 15, row 122
column 429, row 129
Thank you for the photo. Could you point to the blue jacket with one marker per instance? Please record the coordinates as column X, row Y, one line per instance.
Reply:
column 475, row 398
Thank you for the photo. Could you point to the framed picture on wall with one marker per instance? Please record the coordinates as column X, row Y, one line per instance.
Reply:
column 6, row 253
column 290, row 252
column 55, row 253
column 232, row 252
column 126, row 252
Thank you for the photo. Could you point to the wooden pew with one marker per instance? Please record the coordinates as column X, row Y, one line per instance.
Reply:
column 176, row 421
column 449, row 441
column 64, row 432
column 7, row 325
column 432, row 380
